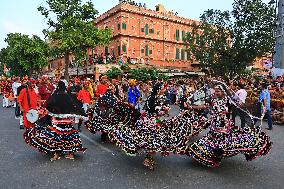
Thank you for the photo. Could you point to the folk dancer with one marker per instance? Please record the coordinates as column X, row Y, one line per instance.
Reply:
column 100, row 91
column 54, row 134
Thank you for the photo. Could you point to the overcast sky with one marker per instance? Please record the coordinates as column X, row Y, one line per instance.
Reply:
column 22, row 15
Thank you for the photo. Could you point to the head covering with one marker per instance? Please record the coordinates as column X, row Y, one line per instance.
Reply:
column 264, row 85
column 29, row 83
column 61, row 86
column 132, row 82
column 56, row 80
column 32, row 81
column 104, row 77
column 77, row 80
column 156, row 88
column 86, row 83
column 45, row 76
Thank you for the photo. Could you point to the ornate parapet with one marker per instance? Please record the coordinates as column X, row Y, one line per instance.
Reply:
column 161, row 14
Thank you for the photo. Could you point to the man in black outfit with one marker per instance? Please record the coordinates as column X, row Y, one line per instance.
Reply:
column 116, row 88
column 73, row 92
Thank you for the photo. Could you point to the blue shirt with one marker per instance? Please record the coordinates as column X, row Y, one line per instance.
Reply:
column 265, row 95
column 133, row 95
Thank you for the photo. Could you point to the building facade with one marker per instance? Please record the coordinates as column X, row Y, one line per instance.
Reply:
column 142, row 34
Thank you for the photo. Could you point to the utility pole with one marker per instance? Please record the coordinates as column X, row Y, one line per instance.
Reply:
column 279, row 45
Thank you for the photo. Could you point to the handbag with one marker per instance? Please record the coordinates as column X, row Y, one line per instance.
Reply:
column 32, row 114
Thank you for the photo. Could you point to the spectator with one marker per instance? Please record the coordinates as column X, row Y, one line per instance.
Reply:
column 264, row 99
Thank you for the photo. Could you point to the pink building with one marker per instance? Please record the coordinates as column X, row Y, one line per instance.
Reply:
column 141, row 34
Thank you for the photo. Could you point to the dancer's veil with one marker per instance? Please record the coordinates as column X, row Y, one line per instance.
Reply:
column 248, row 112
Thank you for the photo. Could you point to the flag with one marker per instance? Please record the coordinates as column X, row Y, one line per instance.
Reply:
column 5, row 68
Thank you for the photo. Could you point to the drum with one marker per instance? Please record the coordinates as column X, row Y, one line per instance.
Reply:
column 32, row 115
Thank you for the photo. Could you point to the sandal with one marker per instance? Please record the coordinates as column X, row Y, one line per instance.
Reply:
column 69, row 156
column 54, row 158
column 149, row 163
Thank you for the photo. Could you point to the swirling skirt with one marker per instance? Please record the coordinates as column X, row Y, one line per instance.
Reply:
column 216, row 145
column 170, row 136
column 54, row 138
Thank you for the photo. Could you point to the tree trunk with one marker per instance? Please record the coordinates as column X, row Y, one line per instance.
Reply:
column 66, row 65
column 31, row 70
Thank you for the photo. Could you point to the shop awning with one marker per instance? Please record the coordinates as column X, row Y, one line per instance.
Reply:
column 169, row 74
column 179, row 74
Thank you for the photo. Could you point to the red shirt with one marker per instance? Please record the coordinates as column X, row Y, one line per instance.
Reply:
column 84, row 96
column 45, row 91
column 23, row 99
column 101, row 89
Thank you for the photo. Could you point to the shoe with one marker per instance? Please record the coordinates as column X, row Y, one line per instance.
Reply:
column 269, row 128
column 103, row 137
column 22, row 127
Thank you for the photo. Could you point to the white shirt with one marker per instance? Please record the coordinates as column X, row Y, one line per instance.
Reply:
column 241, row 96
column 36, row 90
column 15, row 86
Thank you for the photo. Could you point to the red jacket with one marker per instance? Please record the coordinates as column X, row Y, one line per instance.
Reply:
column 84, row 96
column 101, row 89
column 45, row 91
column 23, row 99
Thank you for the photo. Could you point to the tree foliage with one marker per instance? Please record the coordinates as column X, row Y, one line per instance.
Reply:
column 125, row 67
column 113, row 73
column 1, row 67
column 227, row 42
column 24, row 54
column 71, row 28
column 11, row 62
column 146, row 74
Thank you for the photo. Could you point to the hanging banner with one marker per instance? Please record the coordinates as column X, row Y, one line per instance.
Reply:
column 5, row 70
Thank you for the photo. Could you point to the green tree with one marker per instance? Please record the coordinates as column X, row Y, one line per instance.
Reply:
column 124, row 67
column 145, row 74
column 3, row 59
column 1, row 68
column 71, row 29
column 24, row 54
column 113, row 73
column 11, row 62
column 228, row 42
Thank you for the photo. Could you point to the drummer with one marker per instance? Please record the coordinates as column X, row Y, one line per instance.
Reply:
column 27, row 100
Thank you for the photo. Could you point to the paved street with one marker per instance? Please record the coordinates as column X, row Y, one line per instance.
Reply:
column 104, row 166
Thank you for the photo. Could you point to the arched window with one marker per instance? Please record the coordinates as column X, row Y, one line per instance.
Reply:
column 146, row 50
column 177, row 53
column 146, row 29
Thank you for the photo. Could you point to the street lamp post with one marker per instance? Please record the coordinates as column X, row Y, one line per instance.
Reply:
column 272, row 2
column 87, row 59
column 77, row 67
column 95, row 65
column 278, row 57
